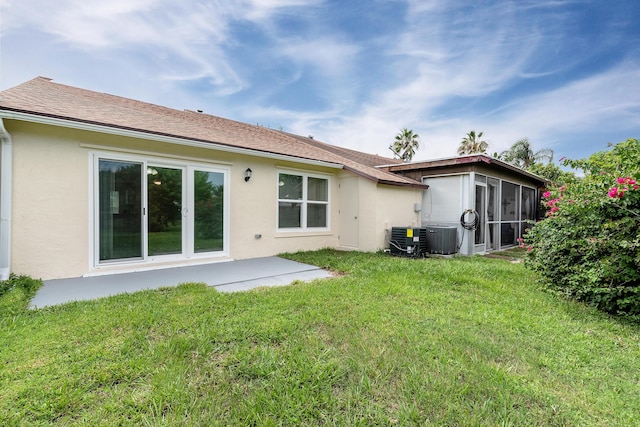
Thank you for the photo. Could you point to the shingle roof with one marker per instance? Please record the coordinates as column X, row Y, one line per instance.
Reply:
column 453, row 162
column 367, row 159
column 44, row 98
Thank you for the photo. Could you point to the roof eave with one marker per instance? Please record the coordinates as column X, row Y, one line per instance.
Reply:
column 40, row 118
column 416, row 185
column 452, row 161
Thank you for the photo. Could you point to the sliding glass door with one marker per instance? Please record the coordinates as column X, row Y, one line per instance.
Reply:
column 120, row 210
column 493, row 214
column 208, row 211
column 164, row 221
column 178, row 211
column 506, row 208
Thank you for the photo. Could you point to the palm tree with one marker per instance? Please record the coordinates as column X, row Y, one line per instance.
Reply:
column 471, row 144
column 405, row 145
column 521, row 154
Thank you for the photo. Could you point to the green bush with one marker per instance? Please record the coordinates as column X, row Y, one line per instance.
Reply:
column 16, row 292
column 588, row 247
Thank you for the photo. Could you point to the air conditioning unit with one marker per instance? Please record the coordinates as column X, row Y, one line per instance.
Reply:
column 408, row 241
column 442, row 239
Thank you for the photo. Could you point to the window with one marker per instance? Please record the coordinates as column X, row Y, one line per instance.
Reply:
column 528, row 208
column 119, row 209
column 510, row 226
column 528, row 204
column 303, row 201
column 509, row 201
column 148, row 210
column 509, row 209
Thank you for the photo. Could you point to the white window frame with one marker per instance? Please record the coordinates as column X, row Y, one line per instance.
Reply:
column 304, row 202
column 188, row 168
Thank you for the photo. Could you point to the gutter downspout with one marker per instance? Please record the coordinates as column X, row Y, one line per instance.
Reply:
column 6, row 161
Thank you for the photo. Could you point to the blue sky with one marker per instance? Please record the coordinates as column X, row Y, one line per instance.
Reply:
column 565, row 74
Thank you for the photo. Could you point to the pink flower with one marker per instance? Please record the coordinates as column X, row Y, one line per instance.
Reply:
column 553, row 202
column 546, row 194
column 616, row 192
column 563, row 188
column 626, row 180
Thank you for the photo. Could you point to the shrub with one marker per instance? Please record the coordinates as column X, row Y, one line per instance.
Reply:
column 16, row 292
column 588, row 247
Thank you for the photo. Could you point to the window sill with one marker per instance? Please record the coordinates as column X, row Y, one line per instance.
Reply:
column 282, row 234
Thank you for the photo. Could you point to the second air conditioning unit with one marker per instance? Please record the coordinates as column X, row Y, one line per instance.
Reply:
column 442, row 239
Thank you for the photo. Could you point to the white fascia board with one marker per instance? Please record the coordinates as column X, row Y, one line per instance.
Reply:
column 53, row 121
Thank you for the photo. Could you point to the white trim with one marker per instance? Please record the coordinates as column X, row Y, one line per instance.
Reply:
column 314, row 174
column 161, row 138
column 303, row 202
column 188, row 255
column 226, row 227
column 122, row 268
column 183, row 202
column 6, row 177
column 443, row 175
column 146, row 154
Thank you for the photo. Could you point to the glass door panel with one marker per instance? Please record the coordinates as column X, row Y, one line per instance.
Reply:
column 208, row 211
column 493, row 211
column 164, row 222
column 481, row 208
column 120, row 210
column 509, row 202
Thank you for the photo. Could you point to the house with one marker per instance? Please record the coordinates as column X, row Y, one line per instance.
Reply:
column 496, row 200
column 92, row 183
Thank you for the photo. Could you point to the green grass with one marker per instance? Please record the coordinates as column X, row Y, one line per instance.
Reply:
column 391, row 341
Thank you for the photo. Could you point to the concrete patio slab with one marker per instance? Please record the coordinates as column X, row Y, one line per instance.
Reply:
column 233, row 276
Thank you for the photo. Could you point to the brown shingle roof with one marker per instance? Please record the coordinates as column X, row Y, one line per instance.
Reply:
column 453, row 162
column 42, row 97
column 367, row 159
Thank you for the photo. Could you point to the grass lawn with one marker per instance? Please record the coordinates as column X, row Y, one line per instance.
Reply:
column 462, row 341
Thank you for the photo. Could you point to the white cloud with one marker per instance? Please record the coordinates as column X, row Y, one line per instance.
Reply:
column 434, row 65
column 438, row 71
column 259, row 10
column 171, row 41
column 330, row 55
column 588, row 106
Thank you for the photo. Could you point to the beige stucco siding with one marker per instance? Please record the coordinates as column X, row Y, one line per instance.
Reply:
column 52, row 211
column 254, row 210
column 378, row 208
column 395, row 208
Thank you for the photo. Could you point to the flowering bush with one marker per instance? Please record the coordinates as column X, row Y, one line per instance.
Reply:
column 588, row 247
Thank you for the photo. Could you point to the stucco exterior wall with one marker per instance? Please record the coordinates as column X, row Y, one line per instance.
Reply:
column 395, row 207
column 369, row 210
column 50, row 211
column 52, row 219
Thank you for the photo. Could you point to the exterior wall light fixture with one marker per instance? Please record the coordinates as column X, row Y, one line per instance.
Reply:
column 247, row 175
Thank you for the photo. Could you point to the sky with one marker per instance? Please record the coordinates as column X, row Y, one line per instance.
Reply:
column 563, row 73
